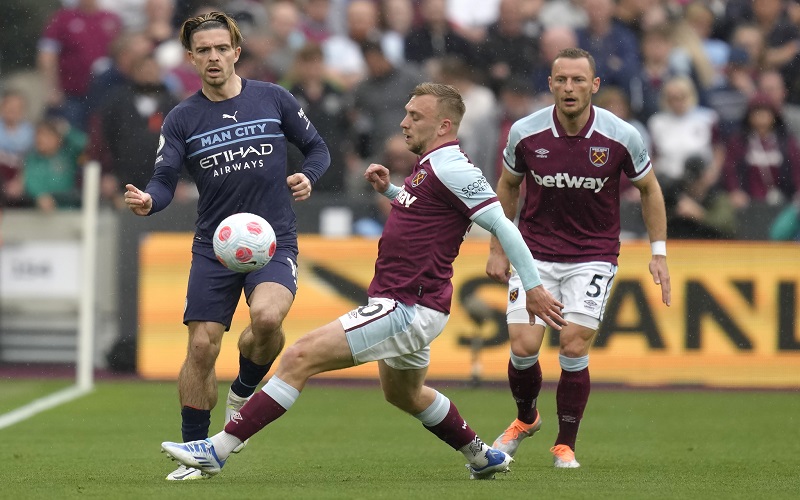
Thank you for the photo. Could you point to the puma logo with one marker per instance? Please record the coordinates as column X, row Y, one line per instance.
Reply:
column 232, row 117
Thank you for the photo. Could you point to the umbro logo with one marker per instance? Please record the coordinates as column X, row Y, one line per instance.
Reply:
column 232, row 117
column 236, row 417
column 541, row 153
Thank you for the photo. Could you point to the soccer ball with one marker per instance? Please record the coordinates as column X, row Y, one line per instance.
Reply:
column 244, row 242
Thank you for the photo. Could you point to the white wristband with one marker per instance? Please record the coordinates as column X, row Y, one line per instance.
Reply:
column 658, row 248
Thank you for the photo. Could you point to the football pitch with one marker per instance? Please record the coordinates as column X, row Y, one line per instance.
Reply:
column 347, row 442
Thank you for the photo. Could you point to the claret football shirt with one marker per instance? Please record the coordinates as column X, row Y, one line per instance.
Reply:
column 571, row 211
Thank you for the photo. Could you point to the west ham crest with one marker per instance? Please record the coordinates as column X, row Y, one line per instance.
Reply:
column 598, row 156
column 513, row 295
column 418, row 178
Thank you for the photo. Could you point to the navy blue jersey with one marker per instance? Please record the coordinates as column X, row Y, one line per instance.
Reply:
column 235, row 150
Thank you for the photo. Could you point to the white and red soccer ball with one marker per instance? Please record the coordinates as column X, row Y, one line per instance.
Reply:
column 244, row 242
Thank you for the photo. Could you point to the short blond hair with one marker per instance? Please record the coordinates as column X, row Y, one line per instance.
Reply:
column 449, row 100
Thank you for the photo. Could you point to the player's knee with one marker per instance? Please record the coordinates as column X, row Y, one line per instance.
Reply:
column 202, row 351
column 296, row 358
column 266, row 321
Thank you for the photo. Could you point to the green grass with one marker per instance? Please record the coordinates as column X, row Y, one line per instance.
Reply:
column 348, row 443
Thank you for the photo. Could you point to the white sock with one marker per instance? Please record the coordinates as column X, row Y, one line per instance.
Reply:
column 238, row 401
column 475, row 452
column 224, row 444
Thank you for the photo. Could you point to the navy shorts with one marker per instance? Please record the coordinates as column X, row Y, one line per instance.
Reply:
column 214, row 290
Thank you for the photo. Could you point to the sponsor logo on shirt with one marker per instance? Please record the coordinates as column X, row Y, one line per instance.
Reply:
column 404, row 198
column 564, row 180
column 474, row 188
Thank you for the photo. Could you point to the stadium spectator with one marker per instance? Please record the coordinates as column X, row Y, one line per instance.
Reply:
column 343, row 54
column 397, row 19
column 782, row 43
column 682, row 129
column 569, row 13
column 658, row 66
column 324, row 104
column 50, row 170
column 470, row 18
column 554, row 39
column 285, row 36
column 700, row 19
column 74, row 45
column 434, row 37
column 697, row 211
column 478, row 132
column 618, row 60
column 377, row 107
column 125, row 50
column 508, row 49
column 786, row 226
column 516, row 100
column 730, row 100
column 232, row 136
column 16, row 140
column 400, row 162
column 409, row 297
column 314, row 20
column 126, row 131
column 771, row 84
column 570, row 155
column 762, row 161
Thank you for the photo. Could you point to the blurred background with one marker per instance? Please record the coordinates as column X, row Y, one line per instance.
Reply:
column 713, row 86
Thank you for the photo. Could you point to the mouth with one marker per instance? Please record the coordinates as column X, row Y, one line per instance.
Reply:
column 214, row 71
column 569, row 101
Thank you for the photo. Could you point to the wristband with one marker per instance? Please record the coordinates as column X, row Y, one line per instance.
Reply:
column 658, row 248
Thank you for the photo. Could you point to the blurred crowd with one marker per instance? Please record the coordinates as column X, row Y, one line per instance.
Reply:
column 713, row 86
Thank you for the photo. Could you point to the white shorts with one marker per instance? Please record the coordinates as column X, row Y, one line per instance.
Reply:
column 394, row 332
column 582, row 287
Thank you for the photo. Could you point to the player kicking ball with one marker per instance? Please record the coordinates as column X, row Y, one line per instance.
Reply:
column 409, row 297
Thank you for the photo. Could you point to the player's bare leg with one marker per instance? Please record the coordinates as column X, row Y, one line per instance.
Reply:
column 197, row 388
column 405, row 389
column 259, row 344
column 573, row 391
column 525, row 381
column 324, row 349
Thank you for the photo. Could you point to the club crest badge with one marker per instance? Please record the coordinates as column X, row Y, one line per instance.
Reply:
column 513, row 295
column 418, row 178
column 598, row 155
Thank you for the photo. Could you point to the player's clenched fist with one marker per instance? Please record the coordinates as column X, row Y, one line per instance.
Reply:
column 137, row 200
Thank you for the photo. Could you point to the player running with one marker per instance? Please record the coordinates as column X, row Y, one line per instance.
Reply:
column 410, row 294
column 572, row 155
column 232, row 137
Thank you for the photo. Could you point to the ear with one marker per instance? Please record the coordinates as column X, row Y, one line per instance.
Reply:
column 237, row 52
column 189, row 57
column 595, row 84
column 550, row 83
column 445, row 126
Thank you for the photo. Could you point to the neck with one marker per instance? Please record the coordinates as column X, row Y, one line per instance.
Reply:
column 229, row 89
column 439, row 142
column 573, row 124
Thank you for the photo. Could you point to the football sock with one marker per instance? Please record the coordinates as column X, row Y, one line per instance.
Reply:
column 475, row 452
column 194, row 423
column 267, row 405
column 525, row 386
column 572, row 395
column 250, row 375
column 224, row 444
column 444, row 421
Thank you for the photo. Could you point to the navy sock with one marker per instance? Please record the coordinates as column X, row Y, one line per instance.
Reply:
column 250, row 375
column 195, row 423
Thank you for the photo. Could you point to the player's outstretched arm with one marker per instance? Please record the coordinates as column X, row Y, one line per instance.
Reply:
column 539, row 301
column 655, row 220
column 137, row 200
column 498, row 266
column 300, row 186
